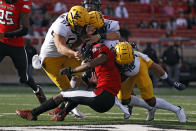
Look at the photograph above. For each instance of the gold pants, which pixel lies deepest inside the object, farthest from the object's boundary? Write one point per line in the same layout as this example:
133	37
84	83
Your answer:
141	79
52	66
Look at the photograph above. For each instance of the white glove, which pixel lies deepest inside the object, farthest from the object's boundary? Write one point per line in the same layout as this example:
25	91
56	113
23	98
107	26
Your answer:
36	62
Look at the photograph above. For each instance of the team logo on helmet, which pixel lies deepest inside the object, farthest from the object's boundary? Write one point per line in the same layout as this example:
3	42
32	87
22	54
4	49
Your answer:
78	18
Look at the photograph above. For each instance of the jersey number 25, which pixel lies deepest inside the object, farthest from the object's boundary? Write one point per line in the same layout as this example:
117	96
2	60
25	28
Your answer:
4	17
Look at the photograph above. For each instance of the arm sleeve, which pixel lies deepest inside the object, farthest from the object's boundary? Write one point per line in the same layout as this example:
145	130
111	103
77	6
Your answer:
144	57
112	25
17	33
99	50
60	29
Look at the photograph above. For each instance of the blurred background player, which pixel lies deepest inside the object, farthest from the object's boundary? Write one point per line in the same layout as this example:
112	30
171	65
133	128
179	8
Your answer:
92	5
58	52
134	67
14	24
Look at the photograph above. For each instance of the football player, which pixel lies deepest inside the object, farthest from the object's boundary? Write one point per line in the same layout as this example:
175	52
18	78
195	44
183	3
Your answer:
104	26
92	5
136	101
58	49
14	22
95	5
100	98
134	67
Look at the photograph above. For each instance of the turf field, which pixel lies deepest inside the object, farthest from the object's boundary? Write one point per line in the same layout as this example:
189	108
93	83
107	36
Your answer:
17	97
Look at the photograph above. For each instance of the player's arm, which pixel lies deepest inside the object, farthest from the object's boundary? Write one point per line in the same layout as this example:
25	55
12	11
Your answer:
159	71
104	36
100	59
60	43
23	30
109	35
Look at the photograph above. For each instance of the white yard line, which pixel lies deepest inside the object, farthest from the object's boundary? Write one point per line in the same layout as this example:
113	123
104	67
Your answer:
126	127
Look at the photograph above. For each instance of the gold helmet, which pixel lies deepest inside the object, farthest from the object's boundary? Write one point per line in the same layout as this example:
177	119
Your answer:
78	17
124	53
96	19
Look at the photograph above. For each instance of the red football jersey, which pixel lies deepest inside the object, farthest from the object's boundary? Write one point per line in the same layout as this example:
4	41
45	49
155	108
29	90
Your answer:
107	74
9	19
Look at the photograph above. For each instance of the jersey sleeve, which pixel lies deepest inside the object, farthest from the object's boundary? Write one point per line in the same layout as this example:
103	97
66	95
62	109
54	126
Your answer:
26	6
144	57
59	29
98	49
112	25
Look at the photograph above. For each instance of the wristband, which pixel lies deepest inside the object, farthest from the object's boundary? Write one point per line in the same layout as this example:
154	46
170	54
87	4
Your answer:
165	76
99	36
102	36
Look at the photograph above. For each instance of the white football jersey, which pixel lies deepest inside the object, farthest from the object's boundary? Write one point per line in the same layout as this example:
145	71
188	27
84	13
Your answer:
133	71
61	27
111	26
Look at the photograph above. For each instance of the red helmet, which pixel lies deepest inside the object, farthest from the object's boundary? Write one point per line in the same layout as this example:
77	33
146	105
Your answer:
10	1
92	5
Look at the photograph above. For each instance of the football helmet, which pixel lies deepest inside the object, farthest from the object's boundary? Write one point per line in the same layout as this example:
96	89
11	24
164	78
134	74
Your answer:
10	1
124	53
78	18
96	19
92	5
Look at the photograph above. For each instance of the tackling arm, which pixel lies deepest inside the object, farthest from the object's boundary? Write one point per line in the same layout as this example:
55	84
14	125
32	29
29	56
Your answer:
110	35
60	43
159	72
157	69
100	59
104	36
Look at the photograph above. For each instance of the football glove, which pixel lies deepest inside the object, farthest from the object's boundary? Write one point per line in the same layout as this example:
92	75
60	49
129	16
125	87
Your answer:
67	71
177	85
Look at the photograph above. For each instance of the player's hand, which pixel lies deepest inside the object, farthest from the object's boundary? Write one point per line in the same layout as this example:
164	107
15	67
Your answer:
177	85
78	55
67	71
93	77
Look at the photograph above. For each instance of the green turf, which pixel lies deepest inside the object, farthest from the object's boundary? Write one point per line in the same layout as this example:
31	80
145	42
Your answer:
15	97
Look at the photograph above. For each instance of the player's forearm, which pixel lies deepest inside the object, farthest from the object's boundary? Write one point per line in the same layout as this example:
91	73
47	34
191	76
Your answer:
66	51
157	69
60	43
17	33
82	68
113	35
100	59
109	35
